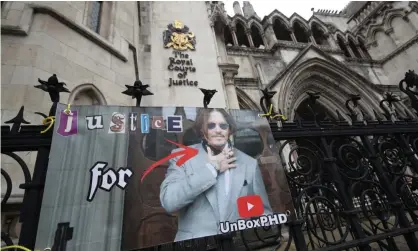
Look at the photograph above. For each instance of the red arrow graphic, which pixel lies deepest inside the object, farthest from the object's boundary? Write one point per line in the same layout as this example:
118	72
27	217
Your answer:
187	153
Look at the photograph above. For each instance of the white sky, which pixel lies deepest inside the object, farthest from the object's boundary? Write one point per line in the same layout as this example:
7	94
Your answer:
302	7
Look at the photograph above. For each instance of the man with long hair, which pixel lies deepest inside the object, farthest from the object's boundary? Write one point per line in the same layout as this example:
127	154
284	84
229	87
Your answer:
204	190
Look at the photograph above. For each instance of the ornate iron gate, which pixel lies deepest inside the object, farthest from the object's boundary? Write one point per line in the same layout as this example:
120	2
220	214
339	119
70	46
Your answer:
28	138
354	185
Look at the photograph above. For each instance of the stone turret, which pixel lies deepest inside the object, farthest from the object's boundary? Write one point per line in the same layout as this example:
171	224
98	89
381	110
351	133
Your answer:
237	8
249	10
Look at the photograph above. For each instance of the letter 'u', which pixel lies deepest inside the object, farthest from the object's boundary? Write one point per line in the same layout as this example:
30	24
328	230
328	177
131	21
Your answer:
223	229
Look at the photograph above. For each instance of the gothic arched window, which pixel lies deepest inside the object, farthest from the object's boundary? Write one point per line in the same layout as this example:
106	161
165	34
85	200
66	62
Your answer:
363	48
87	97
281	31
99	17
354	48
86	94
256	36
341	43
300	33
241	35
229	41
319	35
95	15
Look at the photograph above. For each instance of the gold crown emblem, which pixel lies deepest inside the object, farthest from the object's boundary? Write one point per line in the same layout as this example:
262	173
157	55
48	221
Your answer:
178	25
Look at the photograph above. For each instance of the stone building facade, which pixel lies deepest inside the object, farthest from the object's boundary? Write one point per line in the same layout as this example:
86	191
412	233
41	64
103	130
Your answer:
97	48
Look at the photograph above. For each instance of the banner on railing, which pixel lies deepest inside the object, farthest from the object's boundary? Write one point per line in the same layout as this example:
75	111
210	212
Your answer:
127	177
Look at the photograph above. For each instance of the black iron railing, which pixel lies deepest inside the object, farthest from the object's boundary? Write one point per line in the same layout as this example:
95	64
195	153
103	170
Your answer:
354	183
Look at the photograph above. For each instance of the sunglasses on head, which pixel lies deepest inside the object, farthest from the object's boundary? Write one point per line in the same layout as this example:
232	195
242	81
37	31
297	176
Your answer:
223	126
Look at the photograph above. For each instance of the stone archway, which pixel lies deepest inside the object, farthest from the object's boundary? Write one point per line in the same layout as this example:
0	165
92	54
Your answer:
335	83
329	101
245	102
322	109
86	94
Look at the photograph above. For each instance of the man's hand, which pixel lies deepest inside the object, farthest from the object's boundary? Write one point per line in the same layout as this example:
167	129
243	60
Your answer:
222	161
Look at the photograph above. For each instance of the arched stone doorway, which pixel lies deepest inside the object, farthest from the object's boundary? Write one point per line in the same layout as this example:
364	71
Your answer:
86	94
335	83
304	112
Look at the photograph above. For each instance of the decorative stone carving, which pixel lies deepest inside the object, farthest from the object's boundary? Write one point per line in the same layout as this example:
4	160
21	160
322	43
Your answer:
371	16
389	31
218	11
331	28
267	25
229	71
229	77
248	83
292	82
245	51
373	43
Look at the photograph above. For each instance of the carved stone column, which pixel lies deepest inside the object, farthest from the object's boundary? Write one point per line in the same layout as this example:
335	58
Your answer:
260	74
347	45
234	35
229	71
311	38
392	35
331	41
292	35
360	51
250	39
270	36
212	26
263	36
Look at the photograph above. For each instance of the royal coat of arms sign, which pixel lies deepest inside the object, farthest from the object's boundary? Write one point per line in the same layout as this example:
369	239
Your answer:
179	37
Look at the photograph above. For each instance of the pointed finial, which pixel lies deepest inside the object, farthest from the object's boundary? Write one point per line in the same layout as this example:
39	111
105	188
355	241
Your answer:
53	87
207	96
137	90
17	121
178	25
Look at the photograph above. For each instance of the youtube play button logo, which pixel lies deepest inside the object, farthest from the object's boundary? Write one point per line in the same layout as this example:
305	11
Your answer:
250	206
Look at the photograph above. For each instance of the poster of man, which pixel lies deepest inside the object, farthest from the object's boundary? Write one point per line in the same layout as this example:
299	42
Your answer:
197	173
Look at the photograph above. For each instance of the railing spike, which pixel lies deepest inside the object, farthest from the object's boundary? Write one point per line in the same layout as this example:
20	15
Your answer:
207	96
17	121
137	90
411	82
